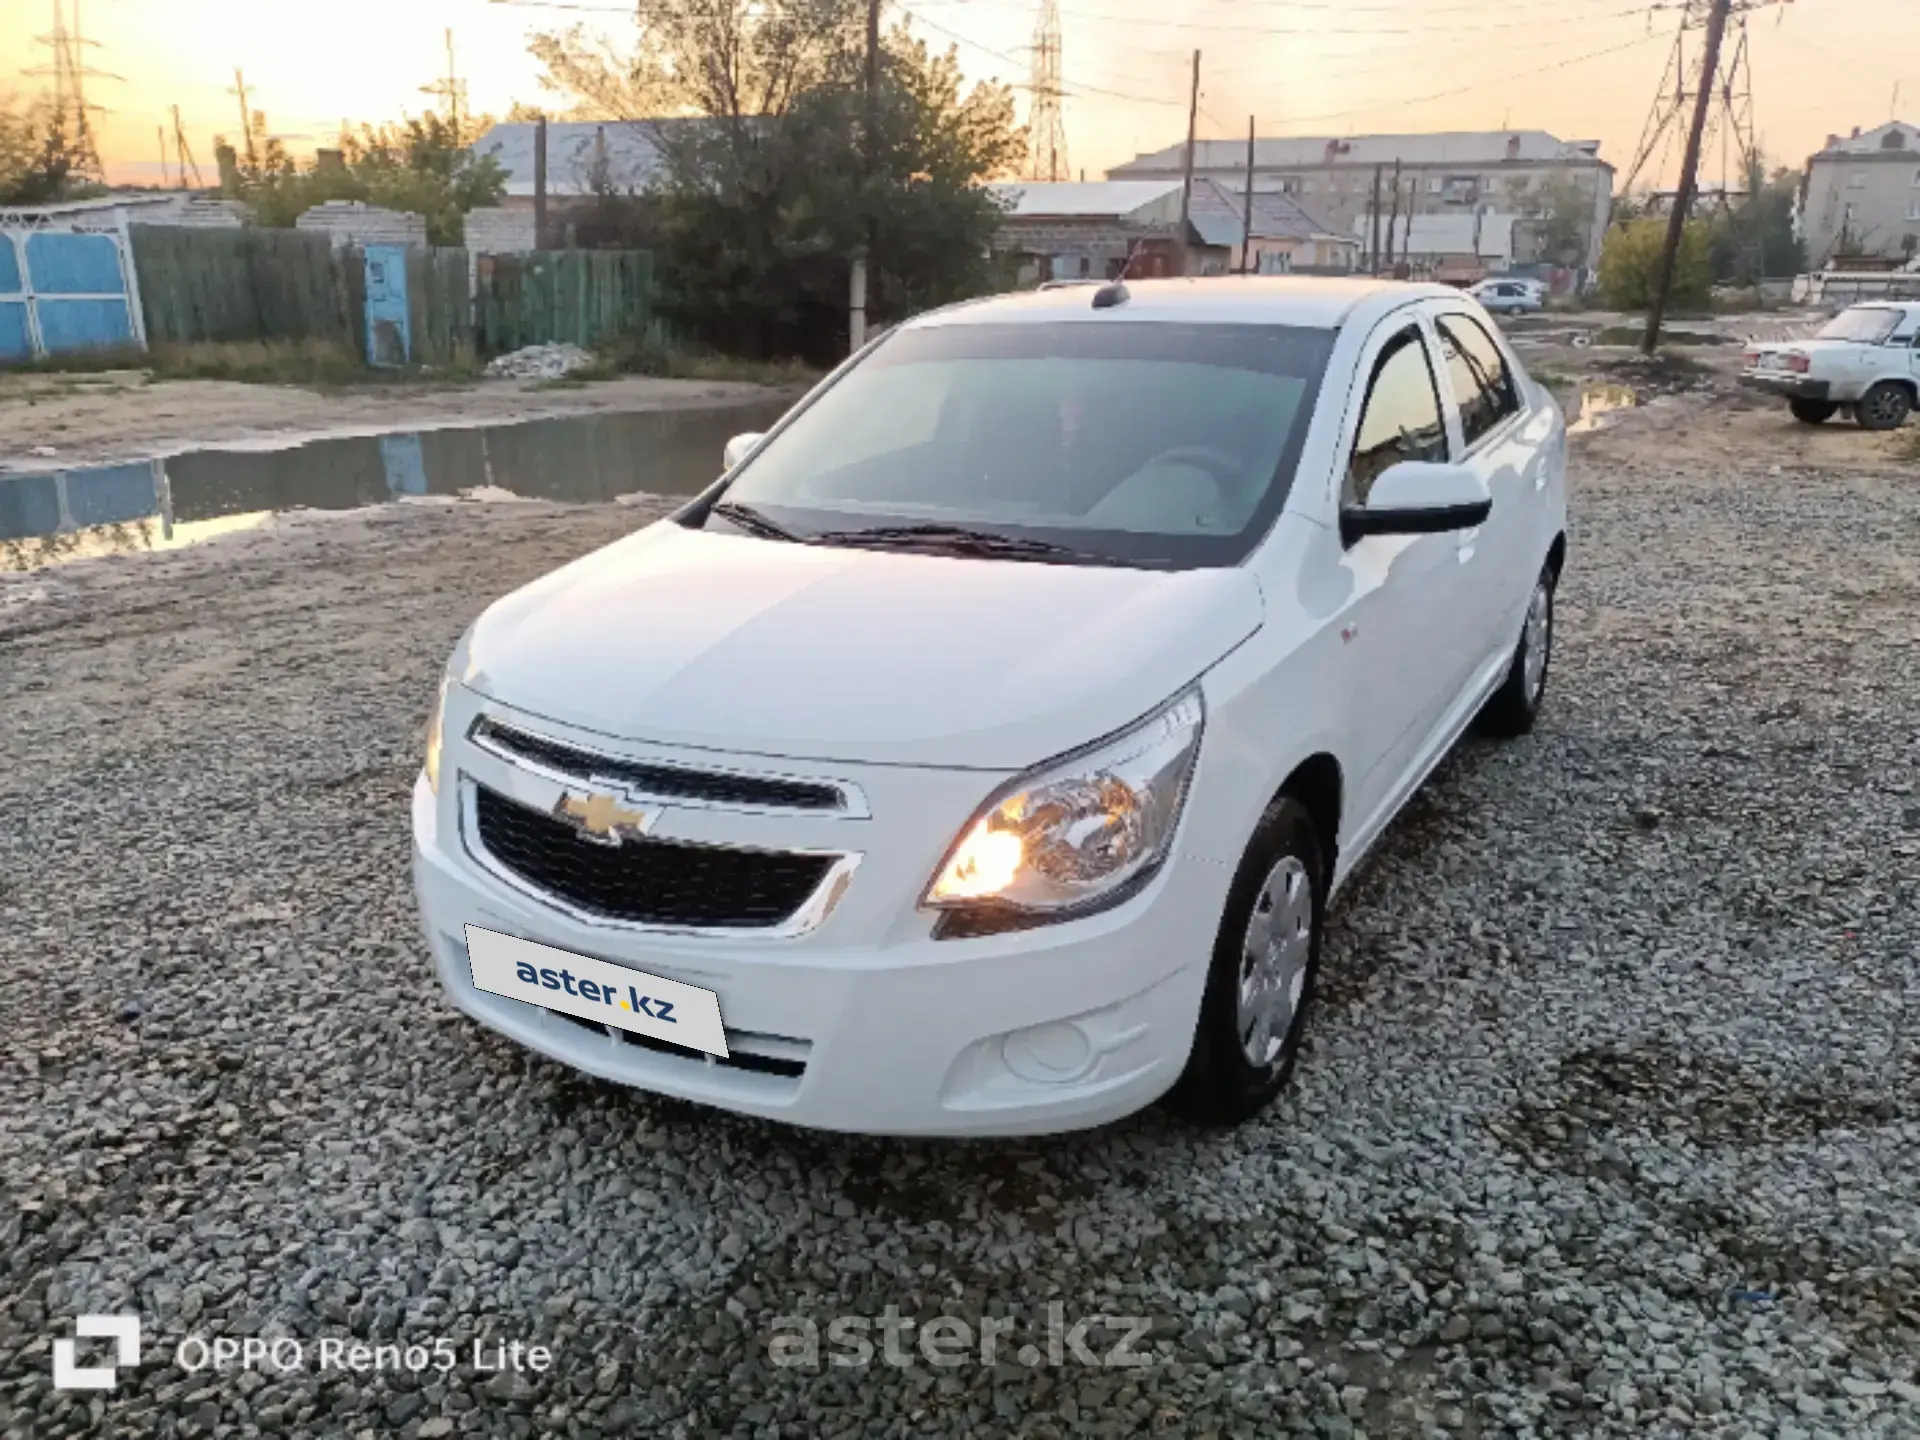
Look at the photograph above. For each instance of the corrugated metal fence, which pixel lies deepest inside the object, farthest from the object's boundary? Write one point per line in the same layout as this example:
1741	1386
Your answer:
200	285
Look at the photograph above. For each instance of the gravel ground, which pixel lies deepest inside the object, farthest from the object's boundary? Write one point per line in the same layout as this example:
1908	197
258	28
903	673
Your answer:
1608	1126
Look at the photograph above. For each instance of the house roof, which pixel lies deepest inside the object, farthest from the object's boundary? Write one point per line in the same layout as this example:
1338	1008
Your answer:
1026	199
573	149
1896	137
1217	214
1459	147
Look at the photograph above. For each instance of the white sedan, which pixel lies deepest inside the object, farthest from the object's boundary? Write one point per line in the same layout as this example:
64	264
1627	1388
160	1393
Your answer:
1509	297
980	754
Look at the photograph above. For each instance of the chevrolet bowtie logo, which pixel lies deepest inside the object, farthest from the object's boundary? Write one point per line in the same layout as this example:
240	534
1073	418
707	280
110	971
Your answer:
601	818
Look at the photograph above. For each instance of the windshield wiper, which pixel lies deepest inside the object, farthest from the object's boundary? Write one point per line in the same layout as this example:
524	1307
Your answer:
961	540
753	521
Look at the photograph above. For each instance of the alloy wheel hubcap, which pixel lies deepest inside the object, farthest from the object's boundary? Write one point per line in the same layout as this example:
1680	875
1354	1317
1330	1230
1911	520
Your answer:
1273	961
1884	406
1539	638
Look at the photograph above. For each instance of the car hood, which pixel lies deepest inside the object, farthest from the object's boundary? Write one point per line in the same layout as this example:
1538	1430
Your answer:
683	637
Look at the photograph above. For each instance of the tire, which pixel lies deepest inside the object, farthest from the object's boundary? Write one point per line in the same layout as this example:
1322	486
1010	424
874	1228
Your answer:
1261	951
1812	412
1512	709
1884	407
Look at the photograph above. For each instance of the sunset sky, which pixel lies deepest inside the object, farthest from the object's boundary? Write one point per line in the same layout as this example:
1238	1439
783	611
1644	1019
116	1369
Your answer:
1301	66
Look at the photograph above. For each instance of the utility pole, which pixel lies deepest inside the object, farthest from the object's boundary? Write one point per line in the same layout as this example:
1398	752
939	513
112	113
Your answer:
183	160
1689	175
246	117
1373	244
862	254
1246	204
1393	216
540	183
1186	168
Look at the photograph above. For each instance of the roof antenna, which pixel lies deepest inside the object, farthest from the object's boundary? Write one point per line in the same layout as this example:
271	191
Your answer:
1114	292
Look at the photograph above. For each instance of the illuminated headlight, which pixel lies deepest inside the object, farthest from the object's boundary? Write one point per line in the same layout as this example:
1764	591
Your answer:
433	737
1080	832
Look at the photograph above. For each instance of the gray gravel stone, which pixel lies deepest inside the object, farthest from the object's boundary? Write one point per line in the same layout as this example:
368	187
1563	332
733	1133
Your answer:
1605	1128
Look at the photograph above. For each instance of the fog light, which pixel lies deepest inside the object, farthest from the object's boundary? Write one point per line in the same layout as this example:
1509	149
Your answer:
1050	1054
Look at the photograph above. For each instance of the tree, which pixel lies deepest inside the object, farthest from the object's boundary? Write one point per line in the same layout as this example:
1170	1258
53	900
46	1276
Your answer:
415	166
39	157
1757	240
1562	220
1630	264
770	181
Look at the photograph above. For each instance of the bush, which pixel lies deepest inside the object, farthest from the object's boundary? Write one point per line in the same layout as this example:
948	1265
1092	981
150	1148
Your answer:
1630	265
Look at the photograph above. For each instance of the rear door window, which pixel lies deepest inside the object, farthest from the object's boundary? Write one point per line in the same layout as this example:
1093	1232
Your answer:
1484	392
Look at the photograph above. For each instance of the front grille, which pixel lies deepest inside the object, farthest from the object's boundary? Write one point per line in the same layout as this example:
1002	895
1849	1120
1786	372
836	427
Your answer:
738	1057
650	882
666	781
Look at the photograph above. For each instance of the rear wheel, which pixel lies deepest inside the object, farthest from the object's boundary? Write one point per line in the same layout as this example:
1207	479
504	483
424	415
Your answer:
1261	981
1884	407
1812	412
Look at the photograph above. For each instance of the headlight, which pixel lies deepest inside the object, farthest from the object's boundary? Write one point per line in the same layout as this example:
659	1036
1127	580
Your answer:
1079	832
433	737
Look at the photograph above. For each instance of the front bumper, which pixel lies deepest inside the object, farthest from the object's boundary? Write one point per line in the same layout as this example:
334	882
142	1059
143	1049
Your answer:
866	1023
1787	384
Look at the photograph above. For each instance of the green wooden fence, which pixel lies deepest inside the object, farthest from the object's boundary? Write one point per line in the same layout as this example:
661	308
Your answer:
252	284
579	296
256	284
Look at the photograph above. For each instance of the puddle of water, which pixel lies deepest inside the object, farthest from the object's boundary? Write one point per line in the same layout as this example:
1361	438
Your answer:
50	517
1597	402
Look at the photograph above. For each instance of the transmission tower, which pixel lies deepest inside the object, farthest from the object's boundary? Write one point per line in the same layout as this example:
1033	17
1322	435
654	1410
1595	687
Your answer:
70	73
1046	125
1730	113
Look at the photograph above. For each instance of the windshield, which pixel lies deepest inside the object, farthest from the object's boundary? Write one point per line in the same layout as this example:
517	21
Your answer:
1147	443
1867	323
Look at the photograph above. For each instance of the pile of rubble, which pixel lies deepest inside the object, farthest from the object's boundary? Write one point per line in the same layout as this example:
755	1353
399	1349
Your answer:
540	362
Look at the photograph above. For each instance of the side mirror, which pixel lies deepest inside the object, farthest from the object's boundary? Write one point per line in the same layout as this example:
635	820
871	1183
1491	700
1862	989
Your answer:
739	447
1419	497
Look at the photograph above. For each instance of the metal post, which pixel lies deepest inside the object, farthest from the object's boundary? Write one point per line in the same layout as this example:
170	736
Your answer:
1393	216
540	183
1373	247
1246	220
1186	169
1689	172
857	303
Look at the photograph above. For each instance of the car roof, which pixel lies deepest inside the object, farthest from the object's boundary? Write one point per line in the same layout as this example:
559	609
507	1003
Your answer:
1313	302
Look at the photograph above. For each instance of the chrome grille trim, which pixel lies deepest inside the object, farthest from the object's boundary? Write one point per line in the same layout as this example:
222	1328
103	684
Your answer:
495	737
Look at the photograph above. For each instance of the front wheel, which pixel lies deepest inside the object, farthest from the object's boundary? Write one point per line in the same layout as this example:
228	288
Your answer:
1261	980
1512	709
1884	407
1812	412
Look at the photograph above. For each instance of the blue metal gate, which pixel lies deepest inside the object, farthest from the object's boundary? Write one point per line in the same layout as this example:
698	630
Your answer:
65	290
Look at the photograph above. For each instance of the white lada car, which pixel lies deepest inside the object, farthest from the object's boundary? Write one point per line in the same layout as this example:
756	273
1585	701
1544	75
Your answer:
980	753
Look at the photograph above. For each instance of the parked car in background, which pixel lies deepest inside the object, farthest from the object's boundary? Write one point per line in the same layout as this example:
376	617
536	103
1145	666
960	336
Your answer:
1865	360
980	754
1509	297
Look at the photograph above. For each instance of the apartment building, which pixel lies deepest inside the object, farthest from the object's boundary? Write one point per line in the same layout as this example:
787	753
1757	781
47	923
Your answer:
1508	177
1861	196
